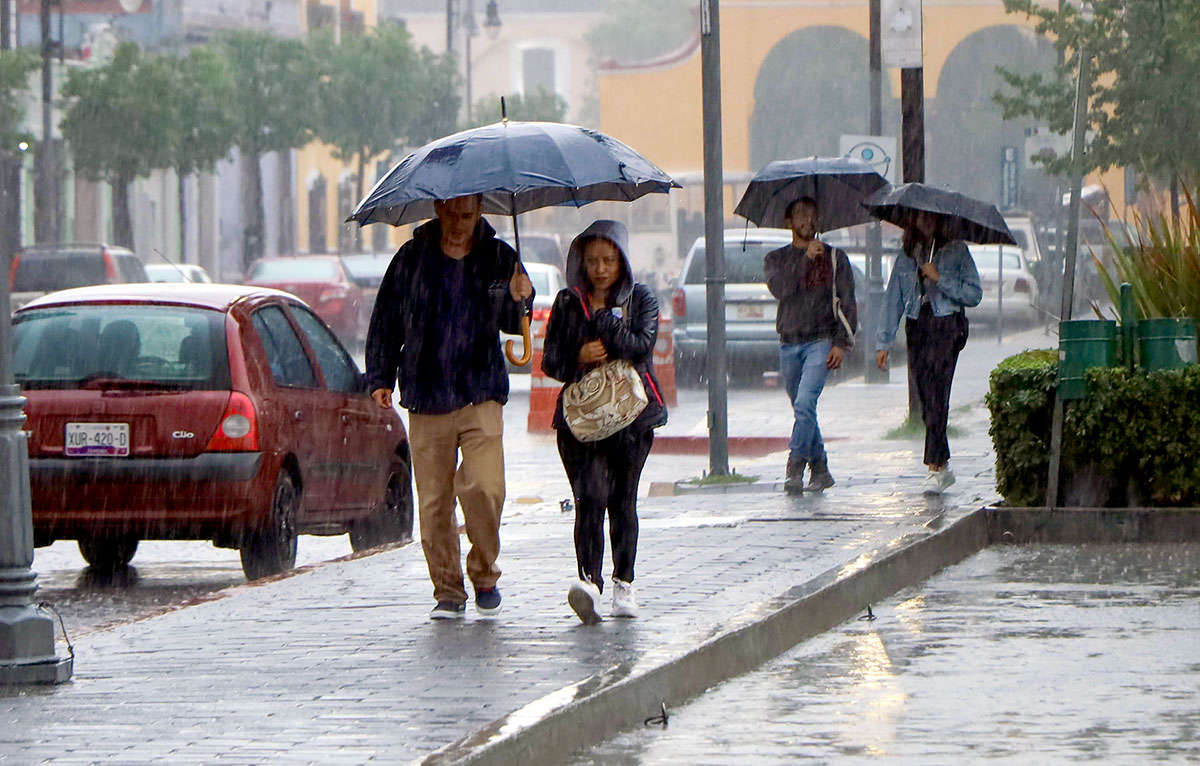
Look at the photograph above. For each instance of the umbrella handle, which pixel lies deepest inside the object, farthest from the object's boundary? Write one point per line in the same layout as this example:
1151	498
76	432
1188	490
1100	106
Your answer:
527	354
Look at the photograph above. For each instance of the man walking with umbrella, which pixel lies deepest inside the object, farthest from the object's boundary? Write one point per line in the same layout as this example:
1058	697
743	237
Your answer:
435	328
816	320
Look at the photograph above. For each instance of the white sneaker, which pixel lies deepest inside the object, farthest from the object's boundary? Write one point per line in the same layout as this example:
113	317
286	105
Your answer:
945	477
932	484
624	604
584	598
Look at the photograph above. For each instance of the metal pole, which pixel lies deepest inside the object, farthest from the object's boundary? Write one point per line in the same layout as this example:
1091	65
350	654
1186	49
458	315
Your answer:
714	239
1000	296
912	110
46	208
871	372
26	635
1082	86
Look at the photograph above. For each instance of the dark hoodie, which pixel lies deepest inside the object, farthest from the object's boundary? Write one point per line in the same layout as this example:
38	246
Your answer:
631	337
408	322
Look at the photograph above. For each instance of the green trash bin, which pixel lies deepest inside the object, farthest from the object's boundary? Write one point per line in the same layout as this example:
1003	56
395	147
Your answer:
1083	343
1166	344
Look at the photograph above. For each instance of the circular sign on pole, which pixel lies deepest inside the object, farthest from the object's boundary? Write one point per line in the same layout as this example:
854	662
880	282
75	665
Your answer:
130	6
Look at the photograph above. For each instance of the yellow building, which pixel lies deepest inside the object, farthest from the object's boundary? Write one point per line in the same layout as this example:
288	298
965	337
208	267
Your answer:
795	78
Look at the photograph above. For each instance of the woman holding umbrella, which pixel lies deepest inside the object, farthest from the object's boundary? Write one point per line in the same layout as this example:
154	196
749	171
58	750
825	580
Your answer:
930	288
604	315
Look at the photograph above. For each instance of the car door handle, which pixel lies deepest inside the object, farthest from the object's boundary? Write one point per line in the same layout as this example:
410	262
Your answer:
297	415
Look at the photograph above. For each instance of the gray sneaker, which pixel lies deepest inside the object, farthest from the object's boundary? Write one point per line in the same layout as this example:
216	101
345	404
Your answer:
448	610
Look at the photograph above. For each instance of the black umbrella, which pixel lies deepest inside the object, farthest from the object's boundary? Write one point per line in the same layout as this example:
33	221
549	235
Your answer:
959	216
838	184
516	166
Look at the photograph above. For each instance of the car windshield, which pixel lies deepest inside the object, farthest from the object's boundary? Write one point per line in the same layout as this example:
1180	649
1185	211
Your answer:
988	258
743	264
295	270
366	270
151	346
45	272
540	280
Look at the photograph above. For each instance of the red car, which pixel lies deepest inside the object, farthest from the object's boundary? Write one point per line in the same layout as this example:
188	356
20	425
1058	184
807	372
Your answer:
202	412
320	281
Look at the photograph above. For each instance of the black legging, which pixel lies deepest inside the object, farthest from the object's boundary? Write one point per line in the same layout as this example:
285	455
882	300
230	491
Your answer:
933	346
604	475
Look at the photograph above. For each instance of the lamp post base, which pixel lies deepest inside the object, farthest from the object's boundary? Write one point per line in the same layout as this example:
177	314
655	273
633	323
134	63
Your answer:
27	648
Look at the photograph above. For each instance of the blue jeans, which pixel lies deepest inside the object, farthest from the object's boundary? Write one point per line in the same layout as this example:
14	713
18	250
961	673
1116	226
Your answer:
802	366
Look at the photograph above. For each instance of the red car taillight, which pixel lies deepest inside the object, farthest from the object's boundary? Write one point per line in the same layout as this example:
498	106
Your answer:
110	267
540	315
1022	285
332	294
12	271
679	303
238	430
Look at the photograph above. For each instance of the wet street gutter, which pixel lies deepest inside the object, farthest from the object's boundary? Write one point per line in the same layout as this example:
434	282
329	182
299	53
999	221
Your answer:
608	703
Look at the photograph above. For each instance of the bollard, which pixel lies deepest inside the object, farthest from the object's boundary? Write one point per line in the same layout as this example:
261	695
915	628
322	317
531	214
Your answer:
664	361
543	391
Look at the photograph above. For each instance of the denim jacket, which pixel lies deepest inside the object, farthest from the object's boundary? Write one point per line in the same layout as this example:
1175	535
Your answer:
958	286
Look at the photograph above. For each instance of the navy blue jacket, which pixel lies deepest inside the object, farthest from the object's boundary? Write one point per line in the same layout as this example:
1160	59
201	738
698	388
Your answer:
407	321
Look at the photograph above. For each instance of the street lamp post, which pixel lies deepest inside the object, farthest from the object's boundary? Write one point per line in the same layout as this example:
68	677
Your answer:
491	25
26	635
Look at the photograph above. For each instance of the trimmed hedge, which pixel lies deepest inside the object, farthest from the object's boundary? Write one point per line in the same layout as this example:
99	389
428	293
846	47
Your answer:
1134	441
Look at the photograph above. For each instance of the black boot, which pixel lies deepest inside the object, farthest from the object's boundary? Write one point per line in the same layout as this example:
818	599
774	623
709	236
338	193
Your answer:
794	480
821	477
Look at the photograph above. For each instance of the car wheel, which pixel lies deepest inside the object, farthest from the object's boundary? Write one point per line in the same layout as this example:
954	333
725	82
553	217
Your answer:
108	553
271	548
392	519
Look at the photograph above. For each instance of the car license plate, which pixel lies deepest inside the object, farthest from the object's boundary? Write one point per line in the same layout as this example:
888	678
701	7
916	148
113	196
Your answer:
749	312
97	440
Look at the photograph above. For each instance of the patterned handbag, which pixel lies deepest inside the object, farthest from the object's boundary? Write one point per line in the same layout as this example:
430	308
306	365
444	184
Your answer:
605	399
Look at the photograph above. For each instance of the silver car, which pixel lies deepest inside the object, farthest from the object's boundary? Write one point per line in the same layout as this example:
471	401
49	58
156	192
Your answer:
751	343
1019	290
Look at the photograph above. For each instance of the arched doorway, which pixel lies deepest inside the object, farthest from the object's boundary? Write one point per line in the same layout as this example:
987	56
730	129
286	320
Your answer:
966	130
812	87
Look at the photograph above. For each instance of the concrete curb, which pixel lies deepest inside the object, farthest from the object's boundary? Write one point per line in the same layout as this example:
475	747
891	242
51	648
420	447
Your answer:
546	730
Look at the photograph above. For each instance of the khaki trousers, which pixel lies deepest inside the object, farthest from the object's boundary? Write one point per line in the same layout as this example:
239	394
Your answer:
477	431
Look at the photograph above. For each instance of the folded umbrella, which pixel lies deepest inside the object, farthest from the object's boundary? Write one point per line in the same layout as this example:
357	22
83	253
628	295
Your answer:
959	216
837	184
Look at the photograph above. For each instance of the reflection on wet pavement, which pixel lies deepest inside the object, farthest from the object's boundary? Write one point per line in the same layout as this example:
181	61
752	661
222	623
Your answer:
1038	653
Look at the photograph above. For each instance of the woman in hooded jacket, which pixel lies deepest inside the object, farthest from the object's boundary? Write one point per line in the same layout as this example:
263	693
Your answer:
600	316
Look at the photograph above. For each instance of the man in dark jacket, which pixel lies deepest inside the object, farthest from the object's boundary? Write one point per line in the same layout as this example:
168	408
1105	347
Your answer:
444	299
816	321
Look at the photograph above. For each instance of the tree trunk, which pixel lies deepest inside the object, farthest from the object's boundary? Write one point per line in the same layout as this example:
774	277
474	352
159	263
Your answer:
362	176
179	180
1175	200
252	207
10	203
122	222
287	205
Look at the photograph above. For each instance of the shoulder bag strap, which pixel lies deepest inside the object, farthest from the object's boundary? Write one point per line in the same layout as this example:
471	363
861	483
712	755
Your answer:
837	302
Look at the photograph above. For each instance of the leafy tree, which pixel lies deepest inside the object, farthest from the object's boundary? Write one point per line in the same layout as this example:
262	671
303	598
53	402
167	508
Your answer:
272	109
15	67
118	122
202	120
378	89
1144	62
634	30
540	106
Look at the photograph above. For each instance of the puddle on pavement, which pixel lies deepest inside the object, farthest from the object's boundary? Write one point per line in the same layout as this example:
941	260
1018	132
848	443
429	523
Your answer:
1038	652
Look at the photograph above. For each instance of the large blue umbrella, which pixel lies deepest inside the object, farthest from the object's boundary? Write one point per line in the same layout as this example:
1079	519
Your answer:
837	184
516	166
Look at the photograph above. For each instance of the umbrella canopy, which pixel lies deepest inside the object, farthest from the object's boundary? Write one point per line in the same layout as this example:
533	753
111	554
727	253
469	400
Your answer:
960	216
516	166
838	184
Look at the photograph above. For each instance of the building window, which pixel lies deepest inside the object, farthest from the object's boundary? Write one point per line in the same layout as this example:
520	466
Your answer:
537	70
347	232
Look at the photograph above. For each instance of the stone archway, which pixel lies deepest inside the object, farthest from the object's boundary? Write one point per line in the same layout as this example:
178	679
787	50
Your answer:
813	86
966	131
